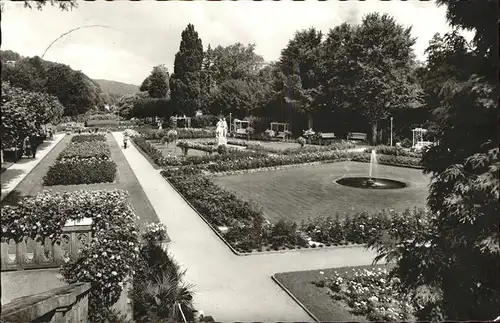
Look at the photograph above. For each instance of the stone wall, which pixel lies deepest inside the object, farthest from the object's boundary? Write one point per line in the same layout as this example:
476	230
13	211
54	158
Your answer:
66	304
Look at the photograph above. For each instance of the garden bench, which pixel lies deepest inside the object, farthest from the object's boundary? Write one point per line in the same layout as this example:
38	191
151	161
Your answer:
357	136
282	135
326	136
241	132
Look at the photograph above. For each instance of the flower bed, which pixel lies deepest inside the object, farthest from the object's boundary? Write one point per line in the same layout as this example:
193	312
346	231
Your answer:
89	137
185	145
82	162
190	133
86	149
395	151
110	256
74	171
370	293
315	149
361	228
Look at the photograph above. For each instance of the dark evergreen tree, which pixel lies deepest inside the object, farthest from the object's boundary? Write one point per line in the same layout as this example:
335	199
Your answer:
185	83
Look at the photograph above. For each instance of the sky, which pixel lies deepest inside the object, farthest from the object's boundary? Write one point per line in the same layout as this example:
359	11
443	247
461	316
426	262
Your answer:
140	35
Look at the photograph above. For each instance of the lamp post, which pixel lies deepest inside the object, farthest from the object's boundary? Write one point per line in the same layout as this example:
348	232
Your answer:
391	131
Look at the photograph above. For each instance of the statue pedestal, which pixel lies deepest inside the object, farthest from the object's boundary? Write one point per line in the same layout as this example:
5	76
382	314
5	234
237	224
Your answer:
222	141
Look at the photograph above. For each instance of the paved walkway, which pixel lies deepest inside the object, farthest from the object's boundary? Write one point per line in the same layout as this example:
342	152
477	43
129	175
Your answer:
18	171
230	287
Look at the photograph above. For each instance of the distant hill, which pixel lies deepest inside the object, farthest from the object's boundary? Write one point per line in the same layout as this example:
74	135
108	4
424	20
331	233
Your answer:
117	88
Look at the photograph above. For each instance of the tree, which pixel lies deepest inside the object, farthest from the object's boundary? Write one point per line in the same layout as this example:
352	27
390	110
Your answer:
185	86
451	266
238	97
376	69
208	84
157	83
24	113
298	64
235	61
125	104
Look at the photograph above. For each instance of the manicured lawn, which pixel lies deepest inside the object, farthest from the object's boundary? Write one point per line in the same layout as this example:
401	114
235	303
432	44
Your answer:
306	192
125	179
317	300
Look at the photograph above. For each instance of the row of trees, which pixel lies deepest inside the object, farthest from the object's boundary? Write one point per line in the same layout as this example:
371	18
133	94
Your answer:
357	73
74	90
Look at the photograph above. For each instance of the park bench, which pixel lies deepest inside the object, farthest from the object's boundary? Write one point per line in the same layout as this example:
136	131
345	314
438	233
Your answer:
357	136
241	132
326	137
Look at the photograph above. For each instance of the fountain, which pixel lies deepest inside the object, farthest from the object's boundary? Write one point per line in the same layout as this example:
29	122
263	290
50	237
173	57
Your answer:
371	182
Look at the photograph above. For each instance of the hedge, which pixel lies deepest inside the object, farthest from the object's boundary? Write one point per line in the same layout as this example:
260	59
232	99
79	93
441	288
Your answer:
395	151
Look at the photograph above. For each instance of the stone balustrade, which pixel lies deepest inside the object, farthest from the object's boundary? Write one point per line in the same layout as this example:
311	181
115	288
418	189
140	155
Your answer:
68	304
30	254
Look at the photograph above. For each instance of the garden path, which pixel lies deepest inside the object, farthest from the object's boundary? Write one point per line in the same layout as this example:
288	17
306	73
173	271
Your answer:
18	171
230	287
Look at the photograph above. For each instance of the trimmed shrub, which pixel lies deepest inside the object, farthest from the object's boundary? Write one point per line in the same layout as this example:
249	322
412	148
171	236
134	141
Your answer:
73	171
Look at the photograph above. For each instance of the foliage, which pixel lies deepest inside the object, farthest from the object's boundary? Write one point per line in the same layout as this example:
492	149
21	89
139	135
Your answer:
378	79
462	242
89	138
152	107
156	232
159	288
370	293
106	260
302	141
73	171
24	113
196	145
222	149
156	84
185	83
74	90
39	4
396	151
86	149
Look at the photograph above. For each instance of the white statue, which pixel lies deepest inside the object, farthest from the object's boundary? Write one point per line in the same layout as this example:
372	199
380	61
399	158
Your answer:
220	133
224	126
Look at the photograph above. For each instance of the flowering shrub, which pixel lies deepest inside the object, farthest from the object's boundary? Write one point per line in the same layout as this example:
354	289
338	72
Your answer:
364	227
106	260
189	133
395	151
130	133
155	232
106	116
302	141
89	137
185	145
371	293
73	171
86	149
315	149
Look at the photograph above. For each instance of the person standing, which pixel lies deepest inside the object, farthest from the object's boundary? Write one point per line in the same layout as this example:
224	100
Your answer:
33	144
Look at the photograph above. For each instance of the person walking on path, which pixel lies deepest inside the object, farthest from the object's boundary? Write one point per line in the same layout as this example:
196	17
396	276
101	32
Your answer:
125	140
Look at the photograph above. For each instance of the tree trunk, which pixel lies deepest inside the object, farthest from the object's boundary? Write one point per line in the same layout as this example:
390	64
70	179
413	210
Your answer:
309	121
374	133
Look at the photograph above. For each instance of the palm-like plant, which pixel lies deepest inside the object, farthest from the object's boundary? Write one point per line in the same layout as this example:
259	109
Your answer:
158	293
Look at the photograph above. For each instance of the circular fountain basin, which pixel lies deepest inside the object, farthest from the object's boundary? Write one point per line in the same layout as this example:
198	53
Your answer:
371	183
